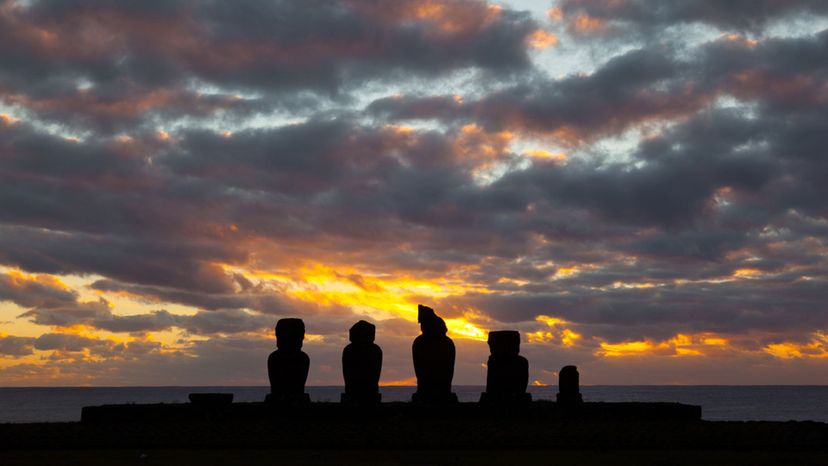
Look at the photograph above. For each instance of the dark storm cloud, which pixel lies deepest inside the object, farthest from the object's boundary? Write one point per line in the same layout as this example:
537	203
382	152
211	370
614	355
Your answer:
69	315
51	304
37	292
152	262
643	85
12	346
267	300
201	323
654	14
659	312
73	349
110	65
66	342
637	86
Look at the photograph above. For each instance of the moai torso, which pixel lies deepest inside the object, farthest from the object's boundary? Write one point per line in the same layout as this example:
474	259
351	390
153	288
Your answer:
569	391
433	363
288	366
508	372
362	364
433	353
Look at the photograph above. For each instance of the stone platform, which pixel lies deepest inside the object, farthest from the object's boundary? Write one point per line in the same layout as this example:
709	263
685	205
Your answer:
405	426
460	412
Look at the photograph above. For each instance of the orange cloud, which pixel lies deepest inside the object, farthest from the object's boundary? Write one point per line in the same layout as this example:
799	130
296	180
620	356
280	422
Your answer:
541	39
679	345
447	17
754	83
480	147
7	119
817	348
557	331
584	24
555	13
544	154
741	40
20	279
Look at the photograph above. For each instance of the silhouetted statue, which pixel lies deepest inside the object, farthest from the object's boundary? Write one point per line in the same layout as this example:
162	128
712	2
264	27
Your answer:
568	386
288	366
433	353
361	365
508	371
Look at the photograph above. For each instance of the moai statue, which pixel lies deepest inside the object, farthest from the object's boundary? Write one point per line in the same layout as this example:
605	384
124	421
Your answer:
508	371
288	366
568	386
434	354
361	366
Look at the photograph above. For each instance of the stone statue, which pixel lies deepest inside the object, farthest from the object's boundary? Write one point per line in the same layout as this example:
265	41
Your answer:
362	365
508	371
288	366
434	354
568	386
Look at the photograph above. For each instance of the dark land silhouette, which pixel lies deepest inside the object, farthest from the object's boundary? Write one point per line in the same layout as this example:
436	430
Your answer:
211	399
508	372
361	366
288	366
433	353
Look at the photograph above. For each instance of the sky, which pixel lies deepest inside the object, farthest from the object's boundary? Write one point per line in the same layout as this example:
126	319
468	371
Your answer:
637	186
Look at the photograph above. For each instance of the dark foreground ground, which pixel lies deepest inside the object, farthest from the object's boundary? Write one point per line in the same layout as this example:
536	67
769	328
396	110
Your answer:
482	457
409	435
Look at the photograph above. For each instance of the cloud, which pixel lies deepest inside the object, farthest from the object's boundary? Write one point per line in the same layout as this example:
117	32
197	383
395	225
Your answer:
12	346
589	16
128	64
203	171
34	290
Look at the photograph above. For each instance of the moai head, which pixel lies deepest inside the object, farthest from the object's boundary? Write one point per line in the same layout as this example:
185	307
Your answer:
503	342
430	323
362	333
289	334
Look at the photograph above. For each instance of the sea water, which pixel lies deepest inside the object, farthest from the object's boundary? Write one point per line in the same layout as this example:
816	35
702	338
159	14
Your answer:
718	402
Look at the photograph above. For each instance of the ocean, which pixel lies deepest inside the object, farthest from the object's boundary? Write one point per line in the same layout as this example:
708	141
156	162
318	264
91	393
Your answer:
718	402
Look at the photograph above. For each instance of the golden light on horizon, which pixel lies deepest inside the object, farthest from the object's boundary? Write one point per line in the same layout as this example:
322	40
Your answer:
399	383
382	296
677	346
817	348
